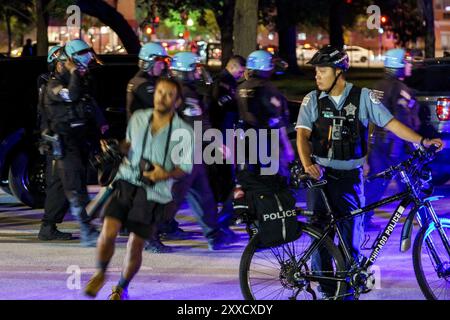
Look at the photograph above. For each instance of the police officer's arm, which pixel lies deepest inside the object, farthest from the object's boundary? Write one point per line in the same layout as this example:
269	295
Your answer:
58	92
304	126
407	134
380	115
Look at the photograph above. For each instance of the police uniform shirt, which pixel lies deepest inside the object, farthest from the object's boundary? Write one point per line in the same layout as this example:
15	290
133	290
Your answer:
140	91
370	110
399	100
181	144
261	99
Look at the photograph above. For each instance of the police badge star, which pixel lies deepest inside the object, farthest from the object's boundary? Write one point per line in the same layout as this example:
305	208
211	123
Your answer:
350	109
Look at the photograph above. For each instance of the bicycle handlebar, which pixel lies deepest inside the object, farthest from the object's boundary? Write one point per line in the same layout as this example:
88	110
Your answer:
422	154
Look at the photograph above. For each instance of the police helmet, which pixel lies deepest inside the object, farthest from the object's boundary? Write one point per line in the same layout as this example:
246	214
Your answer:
260	60
395	59
81	53
330	56
150	53
53	54
185	61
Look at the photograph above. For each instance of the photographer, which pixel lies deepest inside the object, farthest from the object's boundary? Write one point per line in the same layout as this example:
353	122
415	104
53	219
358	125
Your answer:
71	115
142	197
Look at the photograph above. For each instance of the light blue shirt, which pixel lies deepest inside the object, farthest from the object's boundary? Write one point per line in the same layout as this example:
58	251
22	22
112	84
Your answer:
370	110
180	153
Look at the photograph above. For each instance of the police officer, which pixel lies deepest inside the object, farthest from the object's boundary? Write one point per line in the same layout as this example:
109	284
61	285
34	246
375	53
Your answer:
399	100
224	115
196	187
332	139
43	79
262	106
71	113
153	63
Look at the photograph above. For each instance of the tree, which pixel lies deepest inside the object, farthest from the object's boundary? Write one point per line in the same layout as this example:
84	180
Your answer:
286	23
426	7
41	26
223	12
16	15
404	20
245	27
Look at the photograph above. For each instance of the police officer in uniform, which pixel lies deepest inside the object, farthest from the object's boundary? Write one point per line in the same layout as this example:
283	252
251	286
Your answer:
71	113
332	140
153	63
262	106
399	99
52	60
196	187
224	115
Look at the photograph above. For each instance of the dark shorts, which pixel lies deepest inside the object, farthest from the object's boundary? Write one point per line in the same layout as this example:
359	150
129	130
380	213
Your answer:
129	205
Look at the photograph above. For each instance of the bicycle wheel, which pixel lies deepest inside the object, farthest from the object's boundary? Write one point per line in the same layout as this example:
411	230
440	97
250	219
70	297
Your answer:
432	262
278	273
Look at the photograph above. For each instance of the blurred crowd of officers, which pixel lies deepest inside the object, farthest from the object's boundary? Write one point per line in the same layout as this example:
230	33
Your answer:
170	93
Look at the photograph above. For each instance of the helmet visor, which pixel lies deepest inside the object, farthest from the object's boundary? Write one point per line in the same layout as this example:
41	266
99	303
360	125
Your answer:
86	59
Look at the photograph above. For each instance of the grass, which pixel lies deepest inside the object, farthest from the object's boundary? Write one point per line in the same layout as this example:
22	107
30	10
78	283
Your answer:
295	87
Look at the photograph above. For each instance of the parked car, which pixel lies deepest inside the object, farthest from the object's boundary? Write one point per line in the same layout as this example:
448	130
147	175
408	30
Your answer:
359	54
21	165
305	52
431	82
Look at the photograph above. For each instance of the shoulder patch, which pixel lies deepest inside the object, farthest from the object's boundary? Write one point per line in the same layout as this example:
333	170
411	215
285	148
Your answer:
405	94
246	93
130	87
306	100
373	97
275	101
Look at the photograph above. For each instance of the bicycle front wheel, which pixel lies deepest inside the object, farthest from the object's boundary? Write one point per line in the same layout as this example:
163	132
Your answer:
432	261
292	271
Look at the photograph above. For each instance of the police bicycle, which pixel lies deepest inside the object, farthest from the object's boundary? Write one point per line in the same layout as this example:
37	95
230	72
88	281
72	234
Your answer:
286	272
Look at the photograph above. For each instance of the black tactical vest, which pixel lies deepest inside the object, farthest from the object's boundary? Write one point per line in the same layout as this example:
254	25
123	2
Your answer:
339	134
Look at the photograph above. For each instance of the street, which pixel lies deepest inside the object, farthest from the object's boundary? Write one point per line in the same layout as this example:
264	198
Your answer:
31	269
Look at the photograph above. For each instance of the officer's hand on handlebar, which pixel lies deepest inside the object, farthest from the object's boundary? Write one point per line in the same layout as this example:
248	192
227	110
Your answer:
437	142
315	171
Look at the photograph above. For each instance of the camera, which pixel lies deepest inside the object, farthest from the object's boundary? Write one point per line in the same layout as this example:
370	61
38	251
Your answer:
145	165
336	132
339	131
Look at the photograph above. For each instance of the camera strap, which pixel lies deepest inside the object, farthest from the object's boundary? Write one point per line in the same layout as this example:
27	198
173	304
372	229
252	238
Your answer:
166	148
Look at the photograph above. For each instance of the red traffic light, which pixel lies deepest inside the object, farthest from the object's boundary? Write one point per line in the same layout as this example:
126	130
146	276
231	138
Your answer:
156	20
383	19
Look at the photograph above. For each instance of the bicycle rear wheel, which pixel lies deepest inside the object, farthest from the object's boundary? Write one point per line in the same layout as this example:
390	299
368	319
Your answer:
279	273
432	262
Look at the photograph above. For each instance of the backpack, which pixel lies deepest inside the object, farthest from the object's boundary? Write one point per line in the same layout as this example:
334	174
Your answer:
272	204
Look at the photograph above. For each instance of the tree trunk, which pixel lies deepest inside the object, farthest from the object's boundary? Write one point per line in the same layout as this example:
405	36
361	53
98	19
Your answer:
426	7
287	36
41	27
336	31
245	26
225	22
110	17
8	28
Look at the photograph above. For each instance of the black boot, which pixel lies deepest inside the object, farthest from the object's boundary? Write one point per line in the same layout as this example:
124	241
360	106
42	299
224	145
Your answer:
50	232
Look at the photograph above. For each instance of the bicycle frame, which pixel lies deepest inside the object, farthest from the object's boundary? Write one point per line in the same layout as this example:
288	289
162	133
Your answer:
408	197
